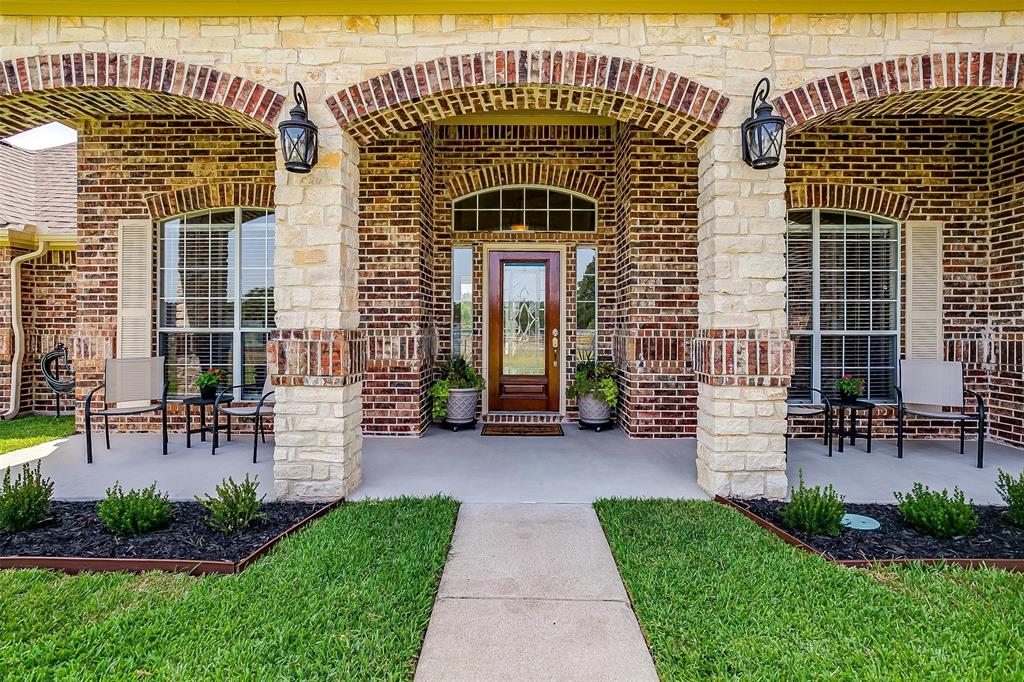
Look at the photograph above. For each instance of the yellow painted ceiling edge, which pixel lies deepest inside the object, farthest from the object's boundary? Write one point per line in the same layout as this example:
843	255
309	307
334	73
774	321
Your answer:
268	8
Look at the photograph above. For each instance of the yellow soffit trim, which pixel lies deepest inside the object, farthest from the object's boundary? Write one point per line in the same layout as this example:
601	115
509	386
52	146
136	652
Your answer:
265	8
19	239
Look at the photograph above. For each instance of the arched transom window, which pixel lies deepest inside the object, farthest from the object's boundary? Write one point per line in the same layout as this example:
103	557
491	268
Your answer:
521	208
216	296
843	283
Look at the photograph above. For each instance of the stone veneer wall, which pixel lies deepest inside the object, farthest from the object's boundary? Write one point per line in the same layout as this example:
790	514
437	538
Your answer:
123	160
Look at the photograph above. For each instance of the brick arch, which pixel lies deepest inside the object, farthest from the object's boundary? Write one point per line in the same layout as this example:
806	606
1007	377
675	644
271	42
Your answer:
562	177
37	90
863	198
500	80
964	84
215	195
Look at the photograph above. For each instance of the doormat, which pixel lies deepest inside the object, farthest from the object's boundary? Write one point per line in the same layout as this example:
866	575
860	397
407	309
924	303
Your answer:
522	430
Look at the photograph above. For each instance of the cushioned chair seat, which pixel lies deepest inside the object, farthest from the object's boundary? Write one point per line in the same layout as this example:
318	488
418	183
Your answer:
247	410
142	409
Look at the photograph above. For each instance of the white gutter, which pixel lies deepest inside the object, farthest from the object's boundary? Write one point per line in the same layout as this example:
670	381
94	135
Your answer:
19	329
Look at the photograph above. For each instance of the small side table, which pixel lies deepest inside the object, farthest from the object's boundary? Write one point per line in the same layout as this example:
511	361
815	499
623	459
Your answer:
203	429
851	431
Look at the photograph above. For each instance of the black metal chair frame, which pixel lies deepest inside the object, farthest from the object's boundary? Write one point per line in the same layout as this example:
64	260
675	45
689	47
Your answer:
826	409
118	412
258	431
978	419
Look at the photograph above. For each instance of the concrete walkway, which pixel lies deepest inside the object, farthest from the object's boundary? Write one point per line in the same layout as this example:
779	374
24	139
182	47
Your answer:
531	592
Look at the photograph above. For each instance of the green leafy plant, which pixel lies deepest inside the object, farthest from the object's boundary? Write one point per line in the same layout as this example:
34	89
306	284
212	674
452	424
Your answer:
235	506
814	510
1011	489
211	378
135	511
453	373
936	513
597	378
850	386
25	501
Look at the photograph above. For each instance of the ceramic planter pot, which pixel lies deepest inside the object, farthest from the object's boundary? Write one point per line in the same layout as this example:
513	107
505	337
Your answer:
462	405
208	392
593	410
848	398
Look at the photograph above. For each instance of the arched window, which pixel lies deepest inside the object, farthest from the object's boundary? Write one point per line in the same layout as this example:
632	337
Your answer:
216	295
521	208
843	300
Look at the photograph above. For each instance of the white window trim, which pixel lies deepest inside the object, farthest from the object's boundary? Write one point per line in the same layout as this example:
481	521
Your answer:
549	188
237	331
816	332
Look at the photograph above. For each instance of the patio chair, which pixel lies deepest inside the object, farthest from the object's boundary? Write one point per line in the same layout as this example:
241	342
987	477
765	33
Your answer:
128	380
809	410
928	386
256	410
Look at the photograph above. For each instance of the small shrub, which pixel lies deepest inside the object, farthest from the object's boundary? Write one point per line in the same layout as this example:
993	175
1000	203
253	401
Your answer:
135	511
25	502
235	506
814	510
936	513
1012	491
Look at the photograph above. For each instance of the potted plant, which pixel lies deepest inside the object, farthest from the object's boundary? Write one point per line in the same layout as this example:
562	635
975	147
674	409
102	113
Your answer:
456	391
207	383
850	388
594	389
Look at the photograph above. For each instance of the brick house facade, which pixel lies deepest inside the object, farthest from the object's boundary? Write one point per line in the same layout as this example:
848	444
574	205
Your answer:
905	117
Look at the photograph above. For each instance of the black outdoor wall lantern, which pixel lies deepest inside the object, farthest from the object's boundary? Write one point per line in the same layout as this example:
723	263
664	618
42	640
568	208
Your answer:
299	136
764	132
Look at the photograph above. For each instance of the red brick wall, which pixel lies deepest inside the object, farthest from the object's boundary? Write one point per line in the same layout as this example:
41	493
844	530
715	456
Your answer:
657	283
395	275
122	160
943	165
646	259
49	310
6	334
1006	283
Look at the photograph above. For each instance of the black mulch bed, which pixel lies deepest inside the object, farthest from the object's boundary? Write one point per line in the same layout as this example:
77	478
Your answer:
995	537
75	530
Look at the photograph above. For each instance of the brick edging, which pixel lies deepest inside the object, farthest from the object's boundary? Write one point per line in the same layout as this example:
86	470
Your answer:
407	97
316	357
213	195
914	73
863	198
743	357
112	70
563	177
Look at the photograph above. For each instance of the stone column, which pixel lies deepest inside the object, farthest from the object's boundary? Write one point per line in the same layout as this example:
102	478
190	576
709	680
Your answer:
316	356
742	353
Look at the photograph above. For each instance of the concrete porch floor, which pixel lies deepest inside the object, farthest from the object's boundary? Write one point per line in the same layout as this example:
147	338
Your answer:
578	468
135	461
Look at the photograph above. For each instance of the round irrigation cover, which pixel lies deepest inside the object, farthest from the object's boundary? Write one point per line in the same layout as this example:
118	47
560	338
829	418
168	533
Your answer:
858	522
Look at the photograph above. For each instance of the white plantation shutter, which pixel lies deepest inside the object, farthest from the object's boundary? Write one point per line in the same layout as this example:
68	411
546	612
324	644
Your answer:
135	289
924	290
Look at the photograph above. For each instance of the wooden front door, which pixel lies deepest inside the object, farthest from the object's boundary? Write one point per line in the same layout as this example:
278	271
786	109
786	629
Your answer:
523	331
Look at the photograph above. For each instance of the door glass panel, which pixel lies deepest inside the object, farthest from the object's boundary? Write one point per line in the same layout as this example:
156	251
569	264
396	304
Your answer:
523	311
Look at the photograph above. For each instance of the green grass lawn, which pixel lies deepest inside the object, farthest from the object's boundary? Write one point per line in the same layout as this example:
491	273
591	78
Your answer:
27	431
346	599
719	598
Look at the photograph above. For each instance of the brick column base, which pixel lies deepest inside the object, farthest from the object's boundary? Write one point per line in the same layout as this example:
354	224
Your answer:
742	377
317	374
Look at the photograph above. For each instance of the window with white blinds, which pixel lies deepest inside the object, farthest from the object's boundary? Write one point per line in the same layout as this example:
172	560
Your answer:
216	296
843	300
